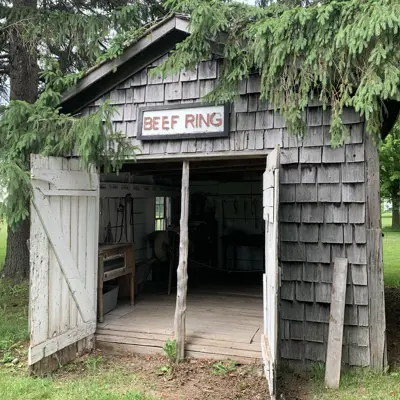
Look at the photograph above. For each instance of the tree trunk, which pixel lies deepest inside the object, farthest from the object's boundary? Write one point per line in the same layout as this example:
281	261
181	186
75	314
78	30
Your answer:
24	80
396	212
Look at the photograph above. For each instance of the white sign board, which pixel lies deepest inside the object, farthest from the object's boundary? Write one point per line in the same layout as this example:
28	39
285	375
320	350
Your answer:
183	121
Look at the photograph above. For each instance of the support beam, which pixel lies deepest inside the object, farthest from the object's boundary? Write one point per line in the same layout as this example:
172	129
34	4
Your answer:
376	289
182	276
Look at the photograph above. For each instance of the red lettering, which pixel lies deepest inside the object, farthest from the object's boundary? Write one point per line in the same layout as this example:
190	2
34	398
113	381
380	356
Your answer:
204	120
174	120
155	122
216	119
189	120
164	122
147	123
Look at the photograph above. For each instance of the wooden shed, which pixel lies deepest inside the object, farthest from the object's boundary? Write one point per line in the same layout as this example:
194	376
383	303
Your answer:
268	212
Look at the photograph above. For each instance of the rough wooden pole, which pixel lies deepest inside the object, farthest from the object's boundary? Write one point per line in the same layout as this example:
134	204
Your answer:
182	276
336	320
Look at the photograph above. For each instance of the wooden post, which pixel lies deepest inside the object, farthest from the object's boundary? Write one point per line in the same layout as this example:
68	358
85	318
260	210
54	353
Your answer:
182	276
336	320
376	289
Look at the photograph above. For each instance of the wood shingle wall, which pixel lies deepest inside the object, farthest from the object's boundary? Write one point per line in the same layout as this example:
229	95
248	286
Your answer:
323	196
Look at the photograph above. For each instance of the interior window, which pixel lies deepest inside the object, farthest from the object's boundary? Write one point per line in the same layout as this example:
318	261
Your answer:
161	213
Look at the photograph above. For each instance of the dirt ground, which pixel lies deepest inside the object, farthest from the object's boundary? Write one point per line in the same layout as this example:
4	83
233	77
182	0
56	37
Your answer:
392	298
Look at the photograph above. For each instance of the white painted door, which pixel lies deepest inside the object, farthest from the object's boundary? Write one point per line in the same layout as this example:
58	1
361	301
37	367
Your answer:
64	255
269	339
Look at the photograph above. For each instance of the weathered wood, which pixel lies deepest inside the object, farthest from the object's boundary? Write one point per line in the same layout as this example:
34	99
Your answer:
182	277
377	321
336	320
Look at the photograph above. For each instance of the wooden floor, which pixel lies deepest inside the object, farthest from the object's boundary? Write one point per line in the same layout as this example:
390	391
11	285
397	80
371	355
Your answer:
219	325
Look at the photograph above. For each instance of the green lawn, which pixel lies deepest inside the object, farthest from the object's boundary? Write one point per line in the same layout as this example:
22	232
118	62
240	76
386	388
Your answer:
391	251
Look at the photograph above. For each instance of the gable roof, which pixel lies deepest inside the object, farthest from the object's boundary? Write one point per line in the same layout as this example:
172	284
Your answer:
155	42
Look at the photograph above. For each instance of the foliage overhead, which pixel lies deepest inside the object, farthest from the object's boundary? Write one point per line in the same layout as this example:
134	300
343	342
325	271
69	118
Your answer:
346	53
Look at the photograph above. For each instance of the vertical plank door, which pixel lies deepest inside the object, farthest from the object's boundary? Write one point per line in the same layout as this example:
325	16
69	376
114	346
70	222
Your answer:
269	338
63	261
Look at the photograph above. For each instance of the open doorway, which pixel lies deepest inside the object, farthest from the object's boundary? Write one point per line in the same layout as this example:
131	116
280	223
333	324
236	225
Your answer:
225	262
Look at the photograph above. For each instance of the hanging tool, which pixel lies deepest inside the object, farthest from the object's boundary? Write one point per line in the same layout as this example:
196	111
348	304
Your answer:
120	211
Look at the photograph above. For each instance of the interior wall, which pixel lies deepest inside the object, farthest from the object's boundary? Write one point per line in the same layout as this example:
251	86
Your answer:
237	209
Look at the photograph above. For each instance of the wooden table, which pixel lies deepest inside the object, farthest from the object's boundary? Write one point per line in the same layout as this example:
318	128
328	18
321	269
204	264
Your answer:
115	261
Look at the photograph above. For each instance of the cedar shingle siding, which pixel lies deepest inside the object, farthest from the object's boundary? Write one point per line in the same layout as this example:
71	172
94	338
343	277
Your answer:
322	210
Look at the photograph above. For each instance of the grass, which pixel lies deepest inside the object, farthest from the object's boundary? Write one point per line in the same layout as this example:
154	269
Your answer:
391	252
358	384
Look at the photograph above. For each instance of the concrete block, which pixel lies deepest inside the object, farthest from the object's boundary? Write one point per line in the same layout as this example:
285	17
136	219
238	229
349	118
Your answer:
310	272
356	213
305	291
289	232
245	121
353	172
289	174
354	153
318	253
360	234
296	330
292	310
317	312
329	174
357	253
292	271
359	275
331	233
360	295
312	213
293	251
359	356
308	174
308	233
289	212
336	213
287	290
323	292
272	138
329	193
290	156
315	332
310	155
264	119
331	156
348	233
